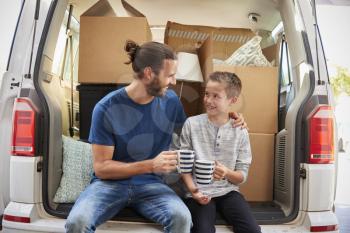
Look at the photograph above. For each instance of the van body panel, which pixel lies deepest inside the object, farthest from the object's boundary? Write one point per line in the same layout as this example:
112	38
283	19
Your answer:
22	45
287	198
49	95
289	14
30	182
324	218
309	22
13	81
317	198
7	99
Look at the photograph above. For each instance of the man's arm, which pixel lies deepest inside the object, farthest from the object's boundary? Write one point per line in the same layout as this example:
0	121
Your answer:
238	120
106	168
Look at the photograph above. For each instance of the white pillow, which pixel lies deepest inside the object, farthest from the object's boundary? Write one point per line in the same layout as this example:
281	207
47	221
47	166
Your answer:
77	170
249	54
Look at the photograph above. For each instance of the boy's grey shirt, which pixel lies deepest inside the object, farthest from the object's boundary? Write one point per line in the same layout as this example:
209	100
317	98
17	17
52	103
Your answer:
226	144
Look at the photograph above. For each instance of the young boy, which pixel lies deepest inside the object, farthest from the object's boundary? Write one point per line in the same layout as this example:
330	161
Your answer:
212	137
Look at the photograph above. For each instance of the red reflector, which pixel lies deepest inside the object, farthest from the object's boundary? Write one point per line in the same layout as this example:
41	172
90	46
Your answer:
23	133
16	218
323	228
322	136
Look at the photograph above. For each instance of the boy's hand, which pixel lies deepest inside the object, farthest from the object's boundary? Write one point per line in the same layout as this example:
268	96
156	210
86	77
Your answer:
238	120
165	162
220	171
200	197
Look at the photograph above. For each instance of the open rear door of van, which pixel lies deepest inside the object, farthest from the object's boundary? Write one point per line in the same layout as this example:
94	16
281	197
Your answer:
10	15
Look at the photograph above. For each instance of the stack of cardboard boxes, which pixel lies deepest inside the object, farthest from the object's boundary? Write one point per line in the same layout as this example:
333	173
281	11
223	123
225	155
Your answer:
258	101
102	57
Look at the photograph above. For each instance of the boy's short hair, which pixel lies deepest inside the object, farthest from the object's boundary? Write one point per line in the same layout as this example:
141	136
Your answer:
233	83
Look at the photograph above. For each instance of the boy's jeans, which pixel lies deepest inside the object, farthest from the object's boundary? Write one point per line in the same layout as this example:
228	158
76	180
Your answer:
101	200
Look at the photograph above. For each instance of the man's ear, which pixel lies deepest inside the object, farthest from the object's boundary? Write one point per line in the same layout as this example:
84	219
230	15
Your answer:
147	73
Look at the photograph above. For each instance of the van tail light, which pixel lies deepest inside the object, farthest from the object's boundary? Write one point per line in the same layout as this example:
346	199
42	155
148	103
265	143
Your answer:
321	136
13	218
23	131
323	228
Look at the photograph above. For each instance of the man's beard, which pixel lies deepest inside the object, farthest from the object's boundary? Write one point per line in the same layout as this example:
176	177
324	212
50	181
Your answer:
154	88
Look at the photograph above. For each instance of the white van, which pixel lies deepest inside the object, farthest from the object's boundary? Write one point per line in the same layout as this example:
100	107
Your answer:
36	105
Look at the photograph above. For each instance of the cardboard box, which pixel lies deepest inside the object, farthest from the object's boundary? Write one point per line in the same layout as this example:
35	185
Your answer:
259	97
102	39
190	97
259	185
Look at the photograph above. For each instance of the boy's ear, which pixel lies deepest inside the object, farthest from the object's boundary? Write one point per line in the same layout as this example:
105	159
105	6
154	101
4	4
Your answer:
233	100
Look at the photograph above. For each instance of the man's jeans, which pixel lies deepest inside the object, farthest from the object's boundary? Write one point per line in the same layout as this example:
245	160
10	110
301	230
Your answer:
101	200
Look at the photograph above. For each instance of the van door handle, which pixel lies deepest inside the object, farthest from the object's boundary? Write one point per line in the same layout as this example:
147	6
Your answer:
14	85
303	173
39	166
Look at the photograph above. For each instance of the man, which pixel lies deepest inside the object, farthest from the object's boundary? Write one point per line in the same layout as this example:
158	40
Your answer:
130	134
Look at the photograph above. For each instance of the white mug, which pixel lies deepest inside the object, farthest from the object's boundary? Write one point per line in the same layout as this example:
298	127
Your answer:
185	160
204	170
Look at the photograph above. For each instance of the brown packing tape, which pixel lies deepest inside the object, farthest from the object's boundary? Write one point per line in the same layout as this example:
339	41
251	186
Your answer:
188	38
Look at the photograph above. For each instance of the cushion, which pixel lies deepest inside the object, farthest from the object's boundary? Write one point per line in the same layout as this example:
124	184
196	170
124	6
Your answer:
249	54
77	170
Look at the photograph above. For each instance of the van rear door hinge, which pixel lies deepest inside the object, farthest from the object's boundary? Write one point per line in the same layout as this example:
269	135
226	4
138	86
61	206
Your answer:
303	173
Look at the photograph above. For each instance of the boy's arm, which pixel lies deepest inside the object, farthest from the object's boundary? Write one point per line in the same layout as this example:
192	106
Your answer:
186	144
244	157
187	178
185	138
196	194
239	174
221	172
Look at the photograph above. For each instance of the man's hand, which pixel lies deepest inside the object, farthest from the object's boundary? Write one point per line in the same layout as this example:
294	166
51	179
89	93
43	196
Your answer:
238	120
200	197
165	162
220	171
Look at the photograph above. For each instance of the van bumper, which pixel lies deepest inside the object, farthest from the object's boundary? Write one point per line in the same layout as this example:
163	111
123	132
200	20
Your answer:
41	222
57	225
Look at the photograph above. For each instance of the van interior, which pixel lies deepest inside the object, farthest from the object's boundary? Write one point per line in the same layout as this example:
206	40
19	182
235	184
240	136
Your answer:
210	29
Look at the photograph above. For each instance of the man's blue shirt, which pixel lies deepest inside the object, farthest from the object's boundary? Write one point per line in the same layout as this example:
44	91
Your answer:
137	131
